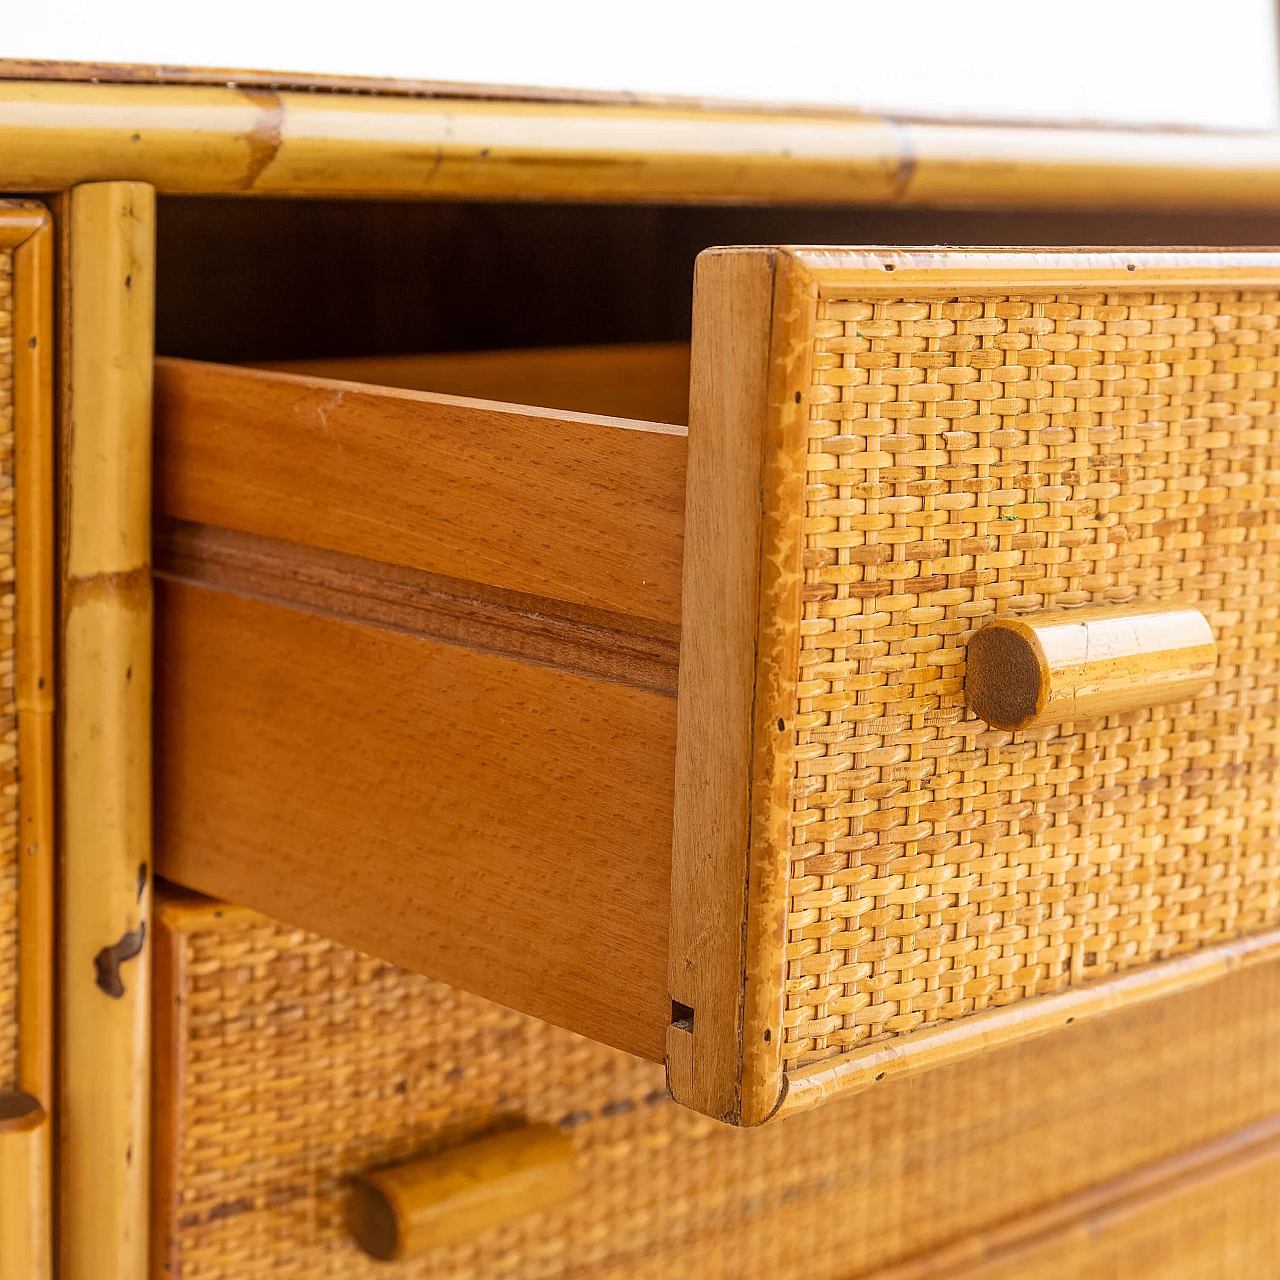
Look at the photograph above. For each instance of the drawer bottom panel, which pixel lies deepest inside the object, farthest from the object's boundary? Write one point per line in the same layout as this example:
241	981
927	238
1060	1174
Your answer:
286	1064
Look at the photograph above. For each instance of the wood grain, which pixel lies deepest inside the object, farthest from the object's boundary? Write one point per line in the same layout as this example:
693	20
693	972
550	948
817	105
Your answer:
733	296
753	325
501	826
170	979
551	633
644	380
568	506
106	715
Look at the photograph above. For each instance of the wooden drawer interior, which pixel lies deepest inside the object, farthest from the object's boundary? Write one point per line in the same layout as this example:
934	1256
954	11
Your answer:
645	380
389	584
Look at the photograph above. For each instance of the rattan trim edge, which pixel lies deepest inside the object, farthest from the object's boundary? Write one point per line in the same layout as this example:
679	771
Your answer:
992	1029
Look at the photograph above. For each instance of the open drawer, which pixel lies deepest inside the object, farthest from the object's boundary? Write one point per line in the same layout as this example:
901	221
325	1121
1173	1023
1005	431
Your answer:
680	752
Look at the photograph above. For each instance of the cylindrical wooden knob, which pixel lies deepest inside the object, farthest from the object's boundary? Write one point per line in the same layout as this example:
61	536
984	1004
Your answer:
452	1196
1075	664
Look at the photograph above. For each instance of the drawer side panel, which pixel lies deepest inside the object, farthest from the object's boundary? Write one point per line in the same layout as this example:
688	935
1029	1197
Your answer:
503	825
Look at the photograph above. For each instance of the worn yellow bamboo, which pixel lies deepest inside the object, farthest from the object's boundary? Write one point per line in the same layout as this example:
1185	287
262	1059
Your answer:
106	735
457	1194
25	1154
25	1222
220	138
1049	668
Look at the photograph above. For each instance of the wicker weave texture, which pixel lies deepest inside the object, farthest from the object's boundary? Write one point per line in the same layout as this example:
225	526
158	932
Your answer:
8	709
301	1063
971	457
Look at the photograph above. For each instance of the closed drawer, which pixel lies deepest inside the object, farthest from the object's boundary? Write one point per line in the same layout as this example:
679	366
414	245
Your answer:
287	1067
673	748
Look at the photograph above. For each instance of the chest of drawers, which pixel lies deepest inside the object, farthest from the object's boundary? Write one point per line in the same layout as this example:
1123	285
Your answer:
728	767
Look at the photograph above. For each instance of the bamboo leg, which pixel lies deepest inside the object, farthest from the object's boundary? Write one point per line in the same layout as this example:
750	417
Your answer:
106	764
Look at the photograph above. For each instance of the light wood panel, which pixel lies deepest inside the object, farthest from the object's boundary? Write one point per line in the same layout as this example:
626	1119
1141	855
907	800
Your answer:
568	506
502	826
351	529
106	714
754	320
648	381
728	402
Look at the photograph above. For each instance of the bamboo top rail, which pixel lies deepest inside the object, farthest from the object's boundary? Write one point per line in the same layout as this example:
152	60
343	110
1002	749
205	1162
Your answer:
339	138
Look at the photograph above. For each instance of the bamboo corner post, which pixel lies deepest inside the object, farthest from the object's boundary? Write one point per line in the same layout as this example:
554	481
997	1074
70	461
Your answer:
1051	667
109	239
408	1209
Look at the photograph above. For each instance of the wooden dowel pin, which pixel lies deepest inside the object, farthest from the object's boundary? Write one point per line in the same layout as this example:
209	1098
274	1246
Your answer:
1077	664
454	1195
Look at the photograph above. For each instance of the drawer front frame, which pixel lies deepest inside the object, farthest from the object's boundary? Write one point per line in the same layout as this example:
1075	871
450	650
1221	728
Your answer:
27	658
761	317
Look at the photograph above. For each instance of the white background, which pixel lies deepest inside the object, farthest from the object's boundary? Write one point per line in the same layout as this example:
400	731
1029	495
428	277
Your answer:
1203	62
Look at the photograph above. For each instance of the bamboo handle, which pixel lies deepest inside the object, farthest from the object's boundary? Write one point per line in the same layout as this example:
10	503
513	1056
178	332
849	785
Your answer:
1048	668
408	1209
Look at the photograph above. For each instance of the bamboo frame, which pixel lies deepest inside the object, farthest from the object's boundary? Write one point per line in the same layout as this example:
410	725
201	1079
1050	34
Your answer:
26	1143
106	729
742	596
223	138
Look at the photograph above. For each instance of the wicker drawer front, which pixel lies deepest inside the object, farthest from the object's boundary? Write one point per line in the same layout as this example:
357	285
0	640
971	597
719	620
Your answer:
285	1065
946	439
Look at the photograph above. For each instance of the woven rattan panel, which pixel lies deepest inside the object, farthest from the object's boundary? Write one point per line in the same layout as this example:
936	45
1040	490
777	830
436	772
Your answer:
8	710
974	457
297	1063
